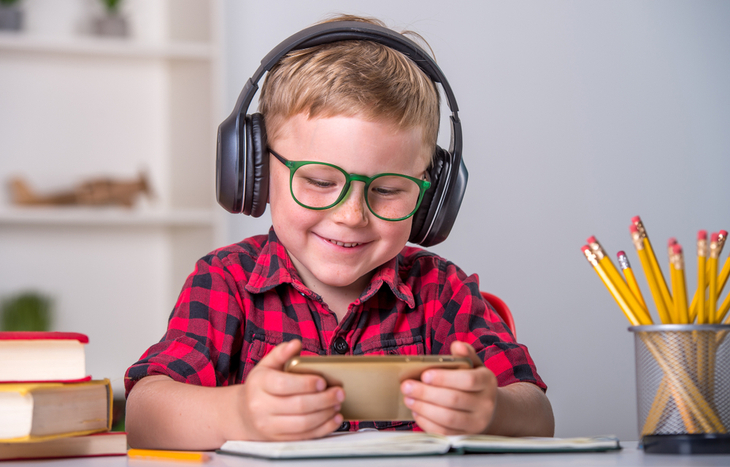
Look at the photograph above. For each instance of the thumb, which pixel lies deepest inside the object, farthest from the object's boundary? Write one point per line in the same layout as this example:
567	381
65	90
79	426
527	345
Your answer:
277	358
462	349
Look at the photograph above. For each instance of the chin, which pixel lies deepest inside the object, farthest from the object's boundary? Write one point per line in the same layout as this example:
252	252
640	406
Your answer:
340	281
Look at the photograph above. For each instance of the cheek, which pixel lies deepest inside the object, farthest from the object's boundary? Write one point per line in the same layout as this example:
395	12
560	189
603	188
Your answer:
396	232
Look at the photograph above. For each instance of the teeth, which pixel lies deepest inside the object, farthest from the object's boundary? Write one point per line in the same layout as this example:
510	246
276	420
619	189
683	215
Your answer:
346	245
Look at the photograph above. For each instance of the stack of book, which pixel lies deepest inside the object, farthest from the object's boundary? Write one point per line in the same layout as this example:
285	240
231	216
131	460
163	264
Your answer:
49	407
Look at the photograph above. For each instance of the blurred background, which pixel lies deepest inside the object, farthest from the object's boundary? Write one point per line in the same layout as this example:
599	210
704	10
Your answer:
576	116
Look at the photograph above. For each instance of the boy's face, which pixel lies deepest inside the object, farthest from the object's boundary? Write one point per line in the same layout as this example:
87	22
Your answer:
339	247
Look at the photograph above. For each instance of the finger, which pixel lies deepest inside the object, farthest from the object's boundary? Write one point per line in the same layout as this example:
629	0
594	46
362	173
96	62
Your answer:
430	425
280	383
444	397
305	404
473	380
305	426
462	349
276	359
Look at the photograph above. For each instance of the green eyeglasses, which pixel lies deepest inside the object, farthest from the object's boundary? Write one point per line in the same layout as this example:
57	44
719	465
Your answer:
320	186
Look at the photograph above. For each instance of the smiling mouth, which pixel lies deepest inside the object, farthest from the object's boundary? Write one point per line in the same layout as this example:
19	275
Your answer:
343	244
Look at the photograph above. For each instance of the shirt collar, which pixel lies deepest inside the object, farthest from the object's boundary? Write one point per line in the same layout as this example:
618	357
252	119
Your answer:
274	267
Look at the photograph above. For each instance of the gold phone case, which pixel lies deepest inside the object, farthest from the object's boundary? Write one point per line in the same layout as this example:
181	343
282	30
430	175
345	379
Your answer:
372	383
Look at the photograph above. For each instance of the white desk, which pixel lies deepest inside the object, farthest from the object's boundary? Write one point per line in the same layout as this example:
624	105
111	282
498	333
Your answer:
628	456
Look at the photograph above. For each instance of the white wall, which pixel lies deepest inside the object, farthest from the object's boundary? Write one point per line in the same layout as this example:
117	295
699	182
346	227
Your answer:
577	116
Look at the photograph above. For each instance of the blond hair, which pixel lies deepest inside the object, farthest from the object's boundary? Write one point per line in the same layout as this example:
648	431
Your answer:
351	78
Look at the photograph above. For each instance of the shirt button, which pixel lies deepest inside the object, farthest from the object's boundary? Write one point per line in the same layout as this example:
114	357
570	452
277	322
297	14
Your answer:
341	346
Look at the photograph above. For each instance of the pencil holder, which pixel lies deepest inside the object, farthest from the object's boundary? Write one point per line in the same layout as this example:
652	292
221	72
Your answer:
683	388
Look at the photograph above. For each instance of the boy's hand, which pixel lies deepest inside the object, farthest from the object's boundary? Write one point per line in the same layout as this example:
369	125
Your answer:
277	406
452	402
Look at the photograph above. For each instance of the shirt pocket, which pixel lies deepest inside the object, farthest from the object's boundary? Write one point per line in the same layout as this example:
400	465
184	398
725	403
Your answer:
398	344
261	345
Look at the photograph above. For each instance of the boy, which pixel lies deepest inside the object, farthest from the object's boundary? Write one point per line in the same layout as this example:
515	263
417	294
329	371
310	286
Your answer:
332	276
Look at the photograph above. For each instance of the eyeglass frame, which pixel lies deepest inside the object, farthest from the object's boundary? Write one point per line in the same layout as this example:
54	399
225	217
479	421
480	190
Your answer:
293	166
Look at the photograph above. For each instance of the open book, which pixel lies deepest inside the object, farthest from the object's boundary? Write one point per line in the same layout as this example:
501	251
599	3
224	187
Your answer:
398	443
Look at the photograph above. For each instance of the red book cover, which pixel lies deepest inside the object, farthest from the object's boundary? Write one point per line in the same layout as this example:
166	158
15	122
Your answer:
48	335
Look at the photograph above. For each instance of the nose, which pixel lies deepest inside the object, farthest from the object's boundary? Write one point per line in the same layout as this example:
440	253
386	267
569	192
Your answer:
352	210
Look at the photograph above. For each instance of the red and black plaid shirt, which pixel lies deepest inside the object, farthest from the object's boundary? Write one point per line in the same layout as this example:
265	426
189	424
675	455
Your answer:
244	299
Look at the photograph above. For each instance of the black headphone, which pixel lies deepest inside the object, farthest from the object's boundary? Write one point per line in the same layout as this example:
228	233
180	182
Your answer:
242	158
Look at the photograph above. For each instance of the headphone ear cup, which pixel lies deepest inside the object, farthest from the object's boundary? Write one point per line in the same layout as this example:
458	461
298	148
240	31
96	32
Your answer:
434	224
256	171
423	217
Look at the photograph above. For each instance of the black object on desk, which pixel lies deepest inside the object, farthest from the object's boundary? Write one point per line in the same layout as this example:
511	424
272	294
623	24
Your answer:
706	443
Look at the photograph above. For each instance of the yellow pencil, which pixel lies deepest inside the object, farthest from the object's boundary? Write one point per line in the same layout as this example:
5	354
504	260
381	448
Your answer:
591	257
674	309
723	309
154	454
699	310
712	262
623	262
725	273
649	274
679	285
639	311
656	269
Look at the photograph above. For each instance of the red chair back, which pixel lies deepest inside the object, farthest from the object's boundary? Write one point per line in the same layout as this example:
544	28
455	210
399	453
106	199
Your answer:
502	310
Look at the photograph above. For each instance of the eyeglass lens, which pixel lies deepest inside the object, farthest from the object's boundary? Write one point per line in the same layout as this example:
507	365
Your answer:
388	196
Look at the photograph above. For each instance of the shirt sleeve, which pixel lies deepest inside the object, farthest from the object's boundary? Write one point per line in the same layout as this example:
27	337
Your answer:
462	314
203	330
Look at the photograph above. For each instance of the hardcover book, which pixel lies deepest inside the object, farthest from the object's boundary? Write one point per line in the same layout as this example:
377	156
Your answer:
27	356
38	411
99	444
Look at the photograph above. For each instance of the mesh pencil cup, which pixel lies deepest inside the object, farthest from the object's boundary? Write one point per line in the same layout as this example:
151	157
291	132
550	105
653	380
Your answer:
683	387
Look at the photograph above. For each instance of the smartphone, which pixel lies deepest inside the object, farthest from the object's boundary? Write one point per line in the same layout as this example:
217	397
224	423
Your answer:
372	383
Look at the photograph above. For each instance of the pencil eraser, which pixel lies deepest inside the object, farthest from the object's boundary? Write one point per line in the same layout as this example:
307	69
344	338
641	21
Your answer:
672	241
714	237
633	228
636	219
621	253
592	239
702	235
584	248
677	249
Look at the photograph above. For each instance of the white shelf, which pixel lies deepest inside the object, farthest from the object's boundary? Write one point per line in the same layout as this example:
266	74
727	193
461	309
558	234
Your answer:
77	106
106	216
107	47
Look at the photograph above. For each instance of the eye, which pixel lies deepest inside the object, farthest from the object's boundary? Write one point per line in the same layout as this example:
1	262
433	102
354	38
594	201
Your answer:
386	191
320	183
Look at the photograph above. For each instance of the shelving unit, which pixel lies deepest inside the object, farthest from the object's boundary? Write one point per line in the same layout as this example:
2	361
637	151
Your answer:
74	107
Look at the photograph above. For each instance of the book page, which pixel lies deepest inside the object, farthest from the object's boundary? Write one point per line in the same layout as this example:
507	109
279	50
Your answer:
345	444
16	410
487	443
